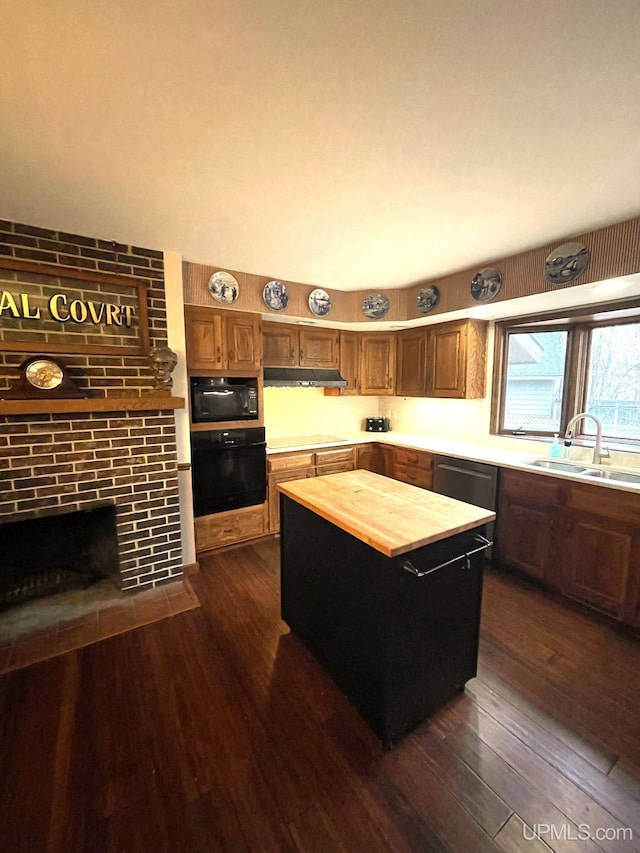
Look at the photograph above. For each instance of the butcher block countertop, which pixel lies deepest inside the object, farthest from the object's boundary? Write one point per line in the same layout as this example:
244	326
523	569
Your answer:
388	515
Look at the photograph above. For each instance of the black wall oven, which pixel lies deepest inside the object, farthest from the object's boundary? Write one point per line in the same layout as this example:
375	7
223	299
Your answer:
228	469
223	399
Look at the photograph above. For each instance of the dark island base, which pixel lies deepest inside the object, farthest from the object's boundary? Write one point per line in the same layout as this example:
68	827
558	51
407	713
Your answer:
397	645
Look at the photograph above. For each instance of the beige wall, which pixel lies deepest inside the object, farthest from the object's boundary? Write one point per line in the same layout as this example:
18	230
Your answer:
306	411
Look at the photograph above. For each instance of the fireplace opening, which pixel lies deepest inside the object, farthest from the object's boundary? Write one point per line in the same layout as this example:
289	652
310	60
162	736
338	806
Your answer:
49	554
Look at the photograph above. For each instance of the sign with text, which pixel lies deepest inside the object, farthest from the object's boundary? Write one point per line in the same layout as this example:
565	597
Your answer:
54	309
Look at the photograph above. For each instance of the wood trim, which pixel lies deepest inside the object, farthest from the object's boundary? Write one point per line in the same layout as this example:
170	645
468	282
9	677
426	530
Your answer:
94	404
139	347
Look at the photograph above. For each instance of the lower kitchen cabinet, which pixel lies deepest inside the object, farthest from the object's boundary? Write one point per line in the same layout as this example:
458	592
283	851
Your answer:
227	528
579	539
369	457
275	478
334	461
527	518
412	466
601	548
284	467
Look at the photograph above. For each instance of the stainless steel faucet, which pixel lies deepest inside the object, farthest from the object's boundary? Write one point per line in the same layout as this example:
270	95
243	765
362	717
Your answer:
599	452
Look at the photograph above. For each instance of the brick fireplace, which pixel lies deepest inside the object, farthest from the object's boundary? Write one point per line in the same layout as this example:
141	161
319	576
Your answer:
61	461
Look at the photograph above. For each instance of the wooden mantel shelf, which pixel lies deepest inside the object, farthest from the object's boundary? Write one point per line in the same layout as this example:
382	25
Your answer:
90	404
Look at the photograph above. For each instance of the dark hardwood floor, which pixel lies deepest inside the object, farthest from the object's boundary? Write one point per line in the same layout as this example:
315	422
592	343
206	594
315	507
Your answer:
215	730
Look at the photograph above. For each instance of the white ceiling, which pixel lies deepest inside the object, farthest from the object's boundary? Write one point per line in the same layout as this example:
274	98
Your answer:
342	143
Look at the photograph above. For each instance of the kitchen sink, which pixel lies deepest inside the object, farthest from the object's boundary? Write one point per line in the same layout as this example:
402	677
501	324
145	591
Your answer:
619	476
558	465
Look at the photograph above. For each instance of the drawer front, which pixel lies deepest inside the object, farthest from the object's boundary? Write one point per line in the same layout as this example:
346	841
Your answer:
287	462
343	454
405	456
414	476
611	503
225	528
334	468
532	487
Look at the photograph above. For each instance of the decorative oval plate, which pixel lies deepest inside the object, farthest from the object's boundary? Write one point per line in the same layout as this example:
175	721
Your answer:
486	284
275	295
375	306
428	298
224	287
319	302
566	263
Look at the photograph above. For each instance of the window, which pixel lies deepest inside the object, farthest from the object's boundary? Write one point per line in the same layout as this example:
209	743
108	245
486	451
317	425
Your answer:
548	372
613	380
534	381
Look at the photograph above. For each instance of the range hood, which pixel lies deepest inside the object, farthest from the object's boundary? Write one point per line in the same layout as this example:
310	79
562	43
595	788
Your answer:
302	377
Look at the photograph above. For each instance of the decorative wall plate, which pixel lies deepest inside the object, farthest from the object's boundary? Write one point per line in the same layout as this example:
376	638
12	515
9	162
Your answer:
486	284
275	295
428	298
224	287
375	306
566	263
319	302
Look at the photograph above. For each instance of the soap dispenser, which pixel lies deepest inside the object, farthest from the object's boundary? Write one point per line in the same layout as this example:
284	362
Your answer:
555	451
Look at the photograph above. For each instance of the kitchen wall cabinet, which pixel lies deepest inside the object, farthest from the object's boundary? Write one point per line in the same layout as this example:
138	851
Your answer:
222	340
377	364
348	363
413	370
458	359
281	345
319	348
579	539
291	346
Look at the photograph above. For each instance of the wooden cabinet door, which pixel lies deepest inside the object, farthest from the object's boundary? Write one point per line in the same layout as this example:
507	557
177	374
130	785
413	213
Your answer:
274	496
204	334
448	360
527	529
377	364
280	344
244	350
596	559
411	379
526	536
319	348
349	346
369	457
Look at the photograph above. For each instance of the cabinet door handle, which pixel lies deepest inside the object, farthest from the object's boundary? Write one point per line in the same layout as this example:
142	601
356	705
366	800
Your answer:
218	354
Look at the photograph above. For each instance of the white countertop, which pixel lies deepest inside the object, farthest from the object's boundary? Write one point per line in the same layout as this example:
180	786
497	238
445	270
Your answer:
452	447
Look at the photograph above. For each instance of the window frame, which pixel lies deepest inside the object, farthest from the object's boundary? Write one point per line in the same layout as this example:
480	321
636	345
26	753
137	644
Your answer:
579	327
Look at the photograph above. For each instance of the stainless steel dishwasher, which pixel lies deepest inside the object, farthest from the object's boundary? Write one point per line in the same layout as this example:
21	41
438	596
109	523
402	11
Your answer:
472	482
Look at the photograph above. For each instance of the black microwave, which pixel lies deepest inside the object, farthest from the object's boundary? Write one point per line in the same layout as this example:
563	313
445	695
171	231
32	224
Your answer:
216	399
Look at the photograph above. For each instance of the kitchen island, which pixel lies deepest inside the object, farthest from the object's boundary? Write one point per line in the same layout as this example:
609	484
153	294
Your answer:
382	582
